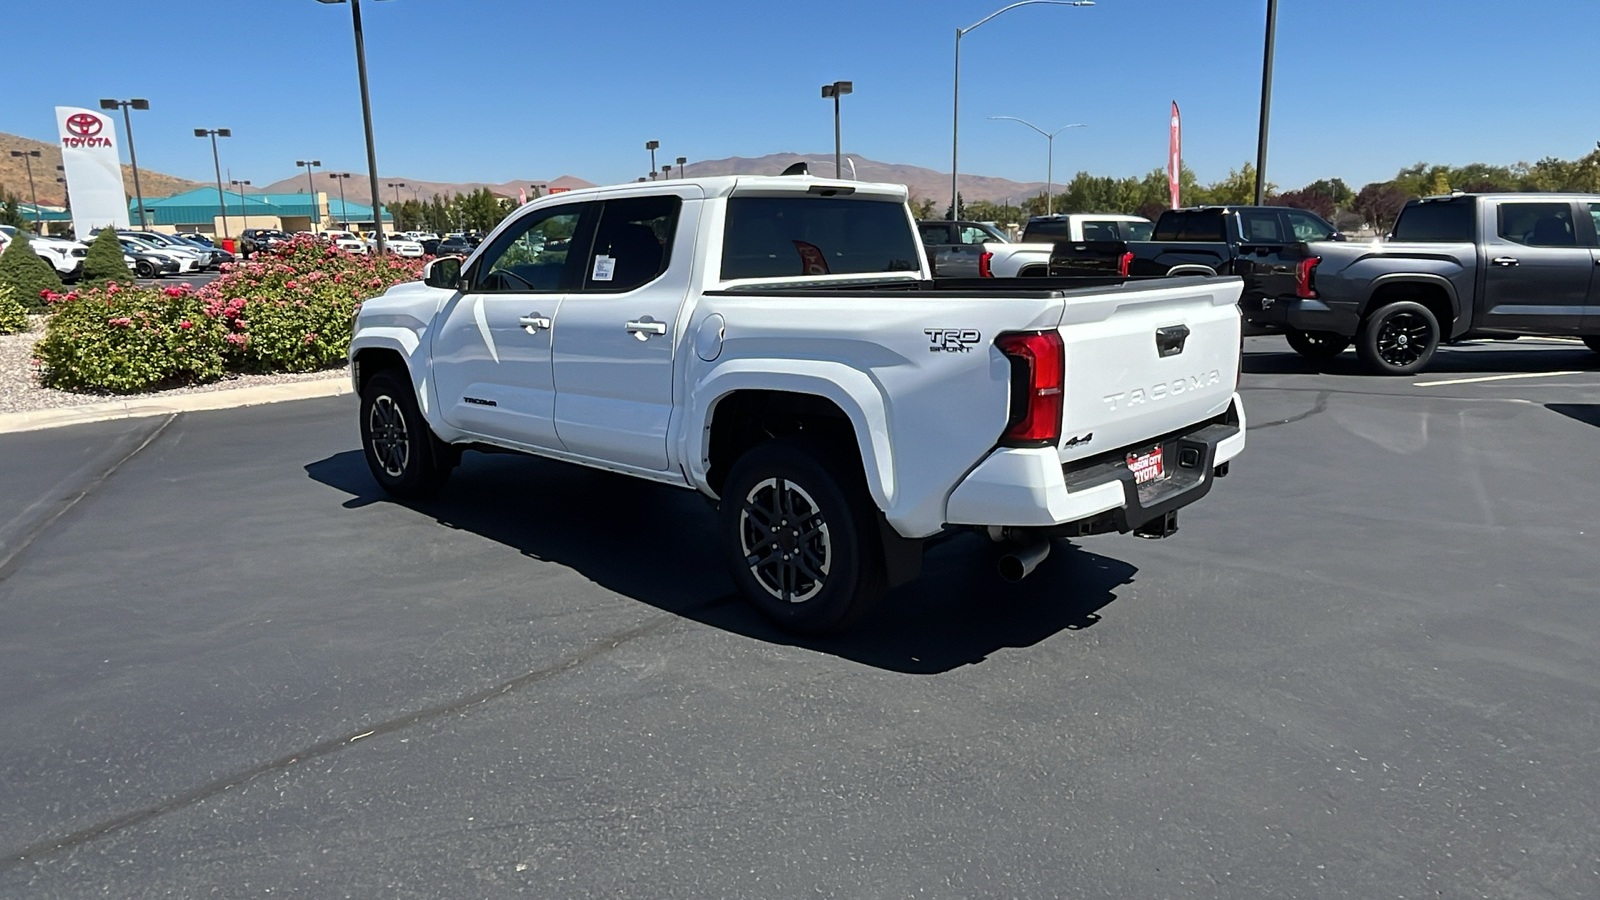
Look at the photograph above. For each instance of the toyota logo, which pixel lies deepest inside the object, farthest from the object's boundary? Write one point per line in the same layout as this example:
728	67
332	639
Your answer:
84	124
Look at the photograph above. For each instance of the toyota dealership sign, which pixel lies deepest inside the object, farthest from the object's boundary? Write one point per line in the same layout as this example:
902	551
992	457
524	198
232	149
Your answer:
94	173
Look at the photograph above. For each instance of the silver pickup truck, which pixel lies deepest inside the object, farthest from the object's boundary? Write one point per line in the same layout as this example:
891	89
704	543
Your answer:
1455	266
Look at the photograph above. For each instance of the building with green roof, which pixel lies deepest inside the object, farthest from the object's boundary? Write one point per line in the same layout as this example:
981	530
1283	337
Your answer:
199	211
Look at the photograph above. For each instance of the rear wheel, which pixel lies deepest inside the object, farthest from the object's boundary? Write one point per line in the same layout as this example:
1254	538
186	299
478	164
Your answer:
405	457
798	532
1317	344
145	269
1398	339
1593	341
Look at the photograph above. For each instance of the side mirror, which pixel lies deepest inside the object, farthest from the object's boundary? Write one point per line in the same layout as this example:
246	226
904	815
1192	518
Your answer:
444	272
1338	236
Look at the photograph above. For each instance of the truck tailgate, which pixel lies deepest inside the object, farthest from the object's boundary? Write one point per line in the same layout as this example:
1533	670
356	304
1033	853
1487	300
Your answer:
1145	359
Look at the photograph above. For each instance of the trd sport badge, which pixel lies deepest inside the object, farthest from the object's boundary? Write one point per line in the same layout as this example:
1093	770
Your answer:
951	340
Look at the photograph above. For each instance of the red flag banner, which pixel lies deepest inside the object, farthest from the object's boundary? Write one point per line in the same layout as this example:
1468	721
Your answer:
1174	155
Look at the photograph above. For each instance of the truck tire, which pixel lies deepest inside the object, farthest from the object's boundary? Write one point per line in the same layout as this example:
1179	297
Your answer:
797	528
405	457
1317	344
1593	341
1398	339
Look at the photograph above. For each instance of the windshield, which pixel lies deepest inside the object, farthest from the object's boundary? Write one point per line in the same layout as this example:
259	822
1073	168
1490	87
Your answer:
776	237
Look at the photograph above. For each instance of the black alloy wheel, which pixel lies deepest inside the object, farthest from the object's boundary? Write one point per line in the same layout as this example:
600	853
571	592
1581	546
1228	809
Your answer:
1317	344
405	457
1398	339
144	268
800	537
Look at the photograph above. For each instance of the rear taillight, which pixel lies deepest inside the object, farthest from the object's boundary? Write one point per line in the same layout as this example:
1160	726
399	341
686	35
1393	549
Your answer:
983	264
1303	286
1038	374
1124	263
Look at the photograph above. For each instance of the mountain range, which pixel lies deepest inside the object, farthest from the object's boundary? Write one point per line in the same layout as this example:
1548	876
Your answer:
922	182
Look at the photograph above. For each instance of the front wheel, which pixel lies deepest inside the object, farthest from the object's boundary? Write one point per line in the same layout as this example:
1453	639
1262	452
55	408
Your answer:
405	457
144	269
798	531
1398	339
1317	344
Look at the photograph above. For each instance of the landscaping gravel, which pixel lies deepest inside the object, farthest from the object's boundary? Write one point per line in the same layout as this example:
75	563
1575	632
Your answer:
20	390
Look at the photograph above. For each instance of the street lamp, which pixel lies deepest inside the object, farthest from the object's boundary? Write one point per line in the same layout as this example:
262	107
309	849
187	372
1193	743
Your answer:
1266	103
366	115
836	90
28	156
651	146
666	171
127	121
344	214
680	161
244	210
222	198
1050	149
955	127
309	164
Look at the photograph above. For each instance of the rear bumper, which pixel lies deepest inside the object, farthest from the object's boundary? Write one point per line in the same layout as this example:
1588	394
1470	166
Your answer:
1029	488
1299	313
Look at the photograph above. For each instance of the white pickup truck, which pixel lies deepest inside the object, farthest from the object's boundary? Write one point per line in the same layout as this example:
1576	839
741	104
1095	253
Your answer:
778	344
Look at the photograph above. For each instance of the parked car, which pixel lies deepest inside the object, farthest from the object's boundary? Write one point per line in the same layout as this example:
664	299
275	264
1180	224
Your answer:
430	245
347	242
1264	245
188	260
217	257
1455	267
1030	256
198	238
65	256
398	244
205	257
455	245
255	240
147	262
956	248
805	373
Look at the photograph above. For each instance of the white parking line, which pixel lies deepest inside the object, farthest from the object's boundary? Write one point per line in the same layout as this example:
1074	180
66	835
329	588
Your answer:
1494	378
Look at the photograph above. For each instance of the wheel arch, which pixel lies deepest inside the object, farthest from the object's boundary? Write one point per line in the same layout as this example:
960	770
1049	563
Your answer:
1432	291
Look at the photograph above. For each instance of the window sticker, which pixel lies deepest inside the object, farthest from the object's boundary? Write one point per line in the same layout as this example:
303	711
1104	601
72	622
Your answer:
604	266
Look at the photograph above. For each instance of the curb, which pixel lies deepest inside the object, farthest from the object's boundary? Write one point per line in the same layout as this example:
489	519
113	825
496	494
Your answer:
36	420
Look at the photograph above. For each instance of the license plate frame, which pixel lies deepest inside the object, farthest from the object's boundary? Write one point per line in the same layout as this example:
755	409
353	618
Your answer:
1147	466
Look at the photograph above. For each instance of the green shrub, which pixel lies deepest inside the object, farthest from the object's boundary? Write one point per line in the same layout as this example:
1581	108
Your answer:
125	340
104	264
27	273
13	315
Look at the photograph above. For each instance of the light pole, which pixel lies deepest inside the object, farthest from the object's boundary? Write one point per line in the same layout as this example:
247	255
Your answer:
836	90
680	161
955	127
651	146
28	156
366	116
222	198
244	211
1266	103
309	164
344	214
1050	149
127	121
397	185
666	171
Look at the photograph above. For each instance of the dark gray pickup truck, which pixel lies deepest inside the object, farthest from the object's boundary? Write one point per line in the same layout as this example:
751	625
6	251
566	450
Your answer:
1455	266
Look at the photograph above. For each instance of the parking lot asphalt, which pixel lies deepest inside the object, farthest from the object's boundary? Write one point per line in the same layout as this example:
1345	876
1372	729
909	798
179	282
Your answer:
1366	666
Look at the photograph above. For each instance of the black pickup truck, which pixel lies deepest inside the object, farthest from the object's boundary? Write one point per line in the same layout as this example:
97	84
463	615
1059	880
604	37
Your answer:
1264	245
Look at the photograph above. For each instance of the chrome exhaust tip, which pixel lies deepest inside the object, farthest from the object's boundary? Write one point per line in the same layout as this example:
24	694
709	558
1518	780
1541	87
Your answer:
1019	562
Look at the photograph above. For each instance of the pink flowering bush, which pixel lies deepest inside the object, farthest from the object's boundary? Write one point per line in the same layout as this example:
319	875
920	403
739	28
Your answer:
291	310
129	339
285	311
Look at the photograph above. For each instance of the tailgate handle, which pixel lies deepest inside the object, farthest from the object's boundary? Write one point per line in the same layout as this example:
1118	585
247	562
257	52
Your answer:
1169	340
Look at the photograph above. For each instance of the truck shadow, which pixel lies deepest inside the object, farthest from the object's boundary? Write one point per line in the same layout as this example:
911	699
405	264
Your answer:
1587	413
657	545
1471	357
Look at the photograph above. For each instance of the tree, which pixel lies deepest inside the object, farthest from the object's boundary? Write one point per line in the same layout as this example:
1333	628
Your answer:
1238	189
960	203
27	274
104	263
921	207
1310	198
1379	204
11	211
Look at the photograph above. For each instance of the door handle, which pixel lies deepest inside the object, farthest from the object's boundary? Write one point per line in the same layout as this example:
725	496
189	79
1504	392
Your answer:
644	328
534	323
1505	260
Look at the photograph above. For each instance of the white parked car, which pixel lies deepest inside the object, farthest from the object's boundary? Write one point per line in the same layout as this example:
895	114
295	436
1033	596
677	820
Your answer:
347	242
65	256
398	244
187	260
420	236
778	344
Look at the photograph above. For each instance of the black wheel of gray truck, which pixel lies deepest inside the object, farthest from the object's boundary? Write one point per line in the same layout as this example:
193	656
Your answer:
799	534
1593	341
1317	344
405	457
1398	339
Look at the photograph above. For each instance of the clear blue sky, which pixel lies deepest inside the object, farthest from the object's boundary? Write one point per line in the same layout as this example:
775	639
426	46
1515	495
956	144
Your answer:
497	90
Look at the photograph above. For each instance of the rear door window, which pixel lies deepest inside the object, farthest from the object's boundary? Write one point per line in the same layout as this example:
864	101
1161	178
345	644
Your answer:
1261	226
1307	227
1447	221
1193	225
934	234
1538	224
633	244
972	234
777	237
